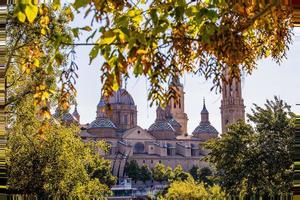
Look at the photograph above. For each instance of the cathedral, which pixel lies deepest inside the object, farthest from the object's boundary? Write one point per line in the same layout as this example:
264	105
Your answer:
166	141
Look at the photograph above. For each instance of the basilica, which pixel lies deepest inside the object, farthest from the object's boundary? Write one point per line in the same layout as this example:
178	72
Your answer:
166	141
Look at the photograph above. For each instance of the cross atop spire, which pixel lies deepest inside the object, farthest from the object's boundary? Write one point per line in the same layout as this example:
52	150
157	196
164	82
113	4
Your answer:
204	113
204	110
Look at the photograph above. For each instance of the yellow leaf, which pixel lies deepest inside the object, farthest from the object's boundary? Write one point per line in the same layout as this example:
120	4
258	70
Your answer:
36	62
107	38
45	96
115	86
21	16
141	51
43	31
31	12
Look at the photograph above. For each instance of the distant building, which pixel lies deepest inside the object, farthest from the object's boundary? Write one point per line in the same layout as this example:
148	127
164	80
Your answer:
166	141
232	103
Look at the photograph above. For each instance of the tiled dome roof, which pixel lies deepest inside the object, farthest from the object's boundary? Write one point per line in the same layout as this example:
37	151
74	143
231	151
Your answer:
68	117
205	127
161	126
119	97
101	123
175	124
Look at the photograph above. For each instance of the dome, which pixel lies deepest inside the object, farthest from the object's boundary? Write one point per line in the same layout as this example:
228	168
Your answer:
101	123
175	124
119	97
64	116
68	117
161	126
205	128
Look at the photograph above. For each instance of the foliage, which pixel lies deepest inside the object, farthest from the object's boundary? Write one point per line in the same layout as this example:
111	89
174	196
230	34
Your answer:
132	170
189	189
145	173
38	51
53	163
179	174
266	147
194	172
201	174
164	39
100	168
159	173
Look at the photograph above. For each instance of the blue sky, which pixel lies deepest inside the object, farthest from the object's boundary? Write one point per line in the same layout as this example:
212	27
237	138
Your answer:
267	80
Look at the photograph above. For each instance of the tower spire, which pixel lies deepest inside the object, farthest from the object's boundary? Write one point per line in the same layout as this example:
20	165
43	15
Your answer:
232	104
76	114
204	113
177	105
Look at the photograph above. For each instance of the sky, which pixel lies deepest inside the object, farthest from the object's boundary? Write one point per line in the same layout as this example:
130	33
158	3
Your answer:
268	80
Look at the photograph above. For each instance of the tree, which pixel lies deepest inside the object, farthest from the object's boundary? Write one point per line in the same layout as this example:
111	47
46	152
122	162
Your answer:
132	170
266	147
204	174
145	173
164	39
189	189
201	174
179	174
100	168
194	172
159	173
37	52
53	163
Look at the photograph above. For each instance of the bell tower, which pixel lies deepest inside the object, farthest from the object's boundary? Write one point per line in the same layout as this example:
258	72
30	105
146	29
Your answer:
232	103
177	107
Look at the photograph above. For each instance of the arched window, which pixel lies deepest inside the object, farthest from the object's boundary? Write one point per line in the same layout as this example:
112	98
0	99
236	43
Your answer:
139	148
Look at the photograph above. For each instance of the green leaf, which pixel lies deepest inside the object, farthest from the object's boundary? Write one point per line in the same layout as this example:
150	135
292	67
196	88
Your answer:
80	3
21	16
56	4
75	32
59	58
93	53
86	28
31	12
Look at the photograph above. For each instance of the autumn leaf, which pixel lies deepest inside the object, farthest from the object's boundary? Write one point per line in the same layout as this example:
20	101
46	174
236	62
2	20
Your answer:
31	12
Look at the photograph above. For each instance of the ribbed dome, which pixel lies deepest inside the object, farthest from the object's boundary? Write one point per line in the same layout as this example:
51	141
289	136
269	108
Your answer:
101	123
175	124
161	126
205	128
119	97
68	117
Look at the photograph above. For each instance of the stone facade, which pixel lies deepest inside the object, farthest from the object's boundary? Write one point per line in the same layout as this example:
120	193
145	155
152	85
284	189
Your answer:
166	141
232	104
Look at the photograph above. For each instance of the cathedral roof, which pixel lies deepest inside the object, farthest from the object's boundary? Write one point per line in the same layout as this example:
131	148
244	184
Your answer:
204	110
161	125
100	122
119	97
205	128
175	124
64	116
75	113
68	117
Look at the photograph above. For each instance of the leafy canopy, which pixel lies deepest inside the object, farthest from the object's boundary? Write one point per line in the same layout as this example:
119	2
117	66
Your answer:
189	189
56	163
256	160
164	39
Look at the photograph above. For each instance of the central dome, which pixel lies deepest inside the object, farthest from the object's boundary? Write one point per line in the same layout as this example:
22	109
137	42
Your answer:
119	97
